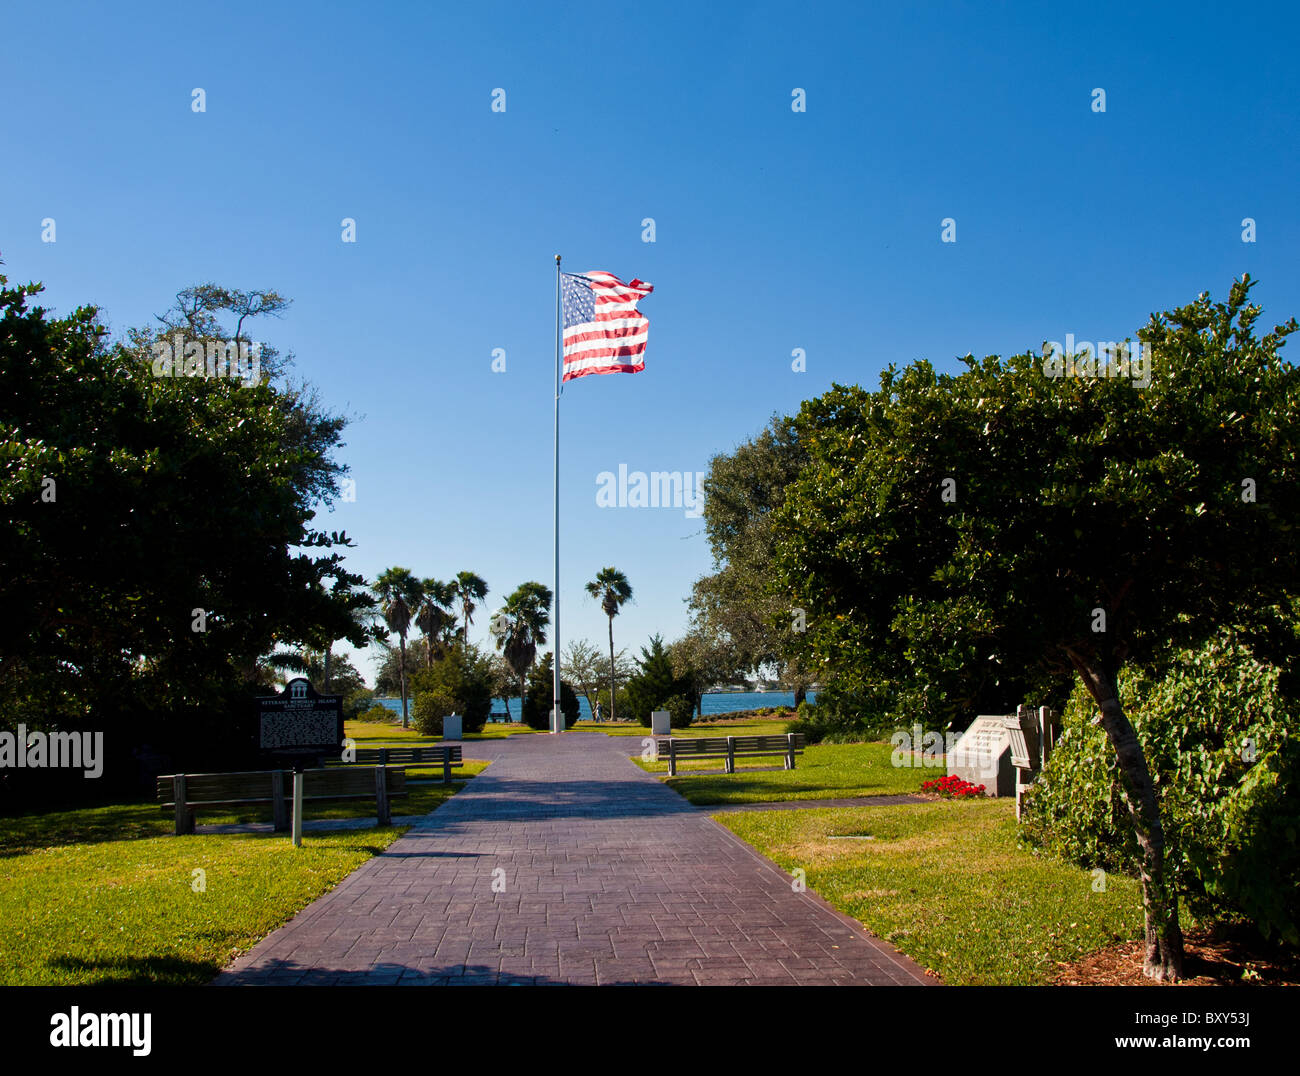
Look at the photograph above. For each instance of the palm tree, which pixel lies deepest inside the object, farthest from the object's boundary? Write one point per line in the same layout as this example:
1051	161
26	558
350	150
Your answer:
520	627
612	590
434	616
469	588
398	592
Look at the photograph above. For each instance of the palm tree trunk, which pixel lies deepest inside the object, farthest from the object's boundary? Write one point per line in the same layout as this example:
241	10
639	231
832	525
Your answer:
401	647
612	715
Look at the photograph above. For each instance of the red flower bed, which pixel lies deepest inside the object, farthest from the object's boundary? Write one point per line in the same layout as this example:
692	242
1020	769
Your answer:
952	787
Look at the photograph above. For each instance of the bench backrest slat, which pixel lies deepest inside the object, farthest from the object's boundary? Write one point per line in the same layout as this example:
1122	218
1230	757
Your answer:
256	784
401	756
701	745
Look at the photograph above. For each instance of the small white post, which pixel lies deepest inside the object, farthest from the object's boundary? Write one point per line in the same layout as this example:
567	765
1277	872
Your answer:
298	778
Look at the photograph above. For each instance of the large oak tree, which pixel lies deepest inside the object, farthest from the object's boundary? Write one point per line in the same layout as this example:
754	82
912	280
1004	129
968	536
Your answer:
1078	522
157	537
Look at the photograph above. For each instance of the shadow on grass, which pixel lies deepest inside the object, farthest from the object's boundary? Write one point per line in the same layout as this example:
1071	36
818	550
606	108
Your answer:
91	825
729	788
140	971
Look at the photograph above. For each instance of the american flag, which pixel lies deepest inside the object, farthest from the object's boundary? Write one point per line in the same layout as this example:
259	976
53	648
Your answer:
604	333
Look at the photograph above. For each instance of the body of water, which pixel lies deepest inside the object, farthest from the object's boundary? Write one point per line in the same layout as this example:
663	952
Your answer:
714	703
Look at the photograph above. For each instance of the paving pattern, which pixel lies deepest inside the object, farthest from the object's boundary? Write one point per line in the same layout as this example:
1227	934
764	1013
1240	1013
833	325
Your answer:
565	863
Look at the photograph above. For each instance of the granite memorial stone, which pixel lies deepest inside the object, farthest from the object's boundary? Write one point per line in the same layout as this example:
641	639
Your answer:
983	756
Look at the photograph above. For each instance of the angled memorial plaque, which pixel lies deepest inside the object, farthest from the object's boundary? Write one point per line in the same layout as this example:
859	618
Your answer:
983	756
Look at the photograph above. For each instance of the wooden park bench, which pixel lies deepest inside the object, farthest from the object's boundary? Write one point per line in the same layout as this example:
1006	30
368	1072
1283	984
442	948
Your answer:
444	755
183	792
498	717
1031	735
730	748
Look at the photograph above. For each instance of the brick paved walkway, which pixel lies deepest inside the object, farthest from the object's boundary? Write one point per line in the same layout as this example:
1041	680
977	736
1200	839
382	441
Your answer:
601	875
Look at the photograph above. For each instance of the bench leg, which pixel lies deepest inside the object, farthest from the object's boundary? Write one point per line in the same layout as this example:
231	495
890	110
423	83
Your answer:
279	807
381	796
184	814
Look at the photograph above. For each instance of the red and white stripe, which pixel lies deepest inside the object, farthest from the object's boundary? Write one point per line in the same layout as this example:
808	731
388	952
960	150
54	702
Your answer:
614	343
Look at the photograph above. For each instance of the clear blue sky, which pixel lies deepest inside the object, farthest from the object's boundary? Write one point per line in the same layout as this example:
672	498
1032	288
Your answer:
775	230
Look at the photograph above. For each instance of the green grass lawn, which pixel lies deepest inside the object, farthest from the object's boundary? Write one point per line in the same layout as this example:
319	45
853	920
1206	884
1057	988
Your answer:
745	726
419	799
133	821
126	910
823	771
383	734
946	883
105	894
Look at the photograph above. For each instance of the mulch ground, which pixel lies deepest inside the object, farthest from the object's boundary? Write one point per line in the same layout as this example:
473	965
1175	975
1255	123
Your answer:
1211	959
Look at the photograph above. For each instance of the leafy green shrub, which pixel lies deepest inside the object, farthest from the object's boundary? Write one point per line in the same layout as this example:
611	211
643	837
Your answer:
1074	807
680	710
378	714
428	710
1221	742
840	716
464	676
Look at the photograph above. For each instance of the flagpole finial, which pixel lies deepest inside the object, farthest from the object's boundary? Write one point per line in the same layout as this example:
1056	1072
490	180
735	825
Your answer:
557	259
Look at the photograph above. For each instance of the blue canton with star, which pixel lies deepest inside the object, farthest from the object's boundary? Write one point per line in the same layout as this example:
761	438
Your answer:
577	299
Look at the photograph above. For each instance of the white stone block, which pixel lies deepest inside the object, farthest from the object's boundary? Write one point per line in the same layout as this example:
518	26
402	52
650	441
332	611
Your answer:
983	757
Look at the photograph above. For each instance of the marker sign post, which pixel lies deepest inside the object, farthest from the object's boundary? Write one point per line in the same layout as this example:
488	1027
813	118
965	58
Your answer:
297	728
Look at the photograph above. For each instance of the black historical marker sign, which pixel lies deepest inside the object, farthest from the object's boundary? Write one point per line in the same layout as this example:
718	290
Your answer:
300	721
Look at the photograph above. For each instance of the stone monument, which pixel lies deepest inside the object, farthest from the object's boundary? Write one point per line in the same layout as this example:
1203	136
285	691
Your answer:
983	756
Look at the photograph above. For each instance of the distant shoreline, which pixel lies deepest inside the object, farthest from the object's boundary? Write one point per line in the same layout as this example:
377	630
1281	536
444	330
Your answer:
715	702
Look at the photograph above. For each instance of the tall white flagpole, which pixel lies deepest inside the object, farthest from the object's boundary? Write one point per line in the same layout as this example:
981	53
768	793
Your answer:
555	699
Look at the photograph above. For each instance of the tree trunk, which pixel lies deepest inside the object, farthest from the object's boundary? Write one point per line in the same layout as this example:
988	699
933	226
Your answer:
1163	958
800	693
329	650
401	651
612	714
